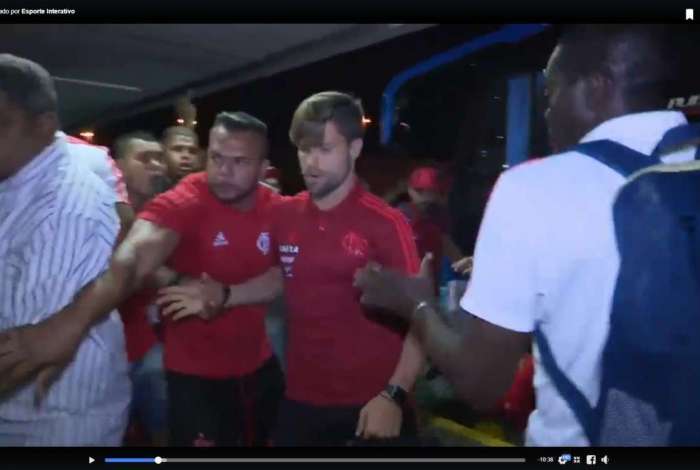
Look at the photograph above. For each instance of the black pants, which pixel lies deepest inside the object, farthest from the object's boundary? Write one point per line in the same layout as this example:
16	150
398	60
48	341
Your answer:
301	424
210	412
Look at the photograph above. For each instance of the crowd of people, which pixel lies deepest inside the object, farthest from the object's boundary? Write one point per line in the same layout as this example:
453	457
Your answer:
135	284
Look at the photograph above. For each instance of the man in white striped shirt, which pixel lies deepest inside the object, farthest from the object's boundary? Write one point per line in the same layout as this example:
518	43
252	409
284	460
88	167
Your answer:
58	227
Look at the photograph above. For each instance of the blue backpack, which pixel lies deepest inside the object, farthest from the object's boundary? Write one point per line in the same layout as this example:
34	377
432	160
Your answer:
650	382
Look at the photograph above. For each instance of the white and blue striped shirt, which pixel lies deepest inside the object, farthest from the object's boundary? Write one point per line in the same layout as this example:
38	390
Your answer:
58	228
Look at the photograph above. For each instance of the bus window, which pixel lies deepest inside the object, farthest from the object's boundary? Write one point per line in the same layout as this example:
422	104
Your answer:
458	115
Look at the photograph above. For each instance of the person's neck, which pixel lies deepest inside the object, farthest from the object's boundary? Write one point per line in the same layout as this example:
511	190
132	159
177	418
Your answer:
26	160
337	196
246	204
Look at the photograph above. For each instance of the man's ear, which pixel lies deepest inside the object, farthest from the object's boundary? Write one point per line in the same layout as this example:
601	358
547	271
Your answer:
263	169
599	97
356	148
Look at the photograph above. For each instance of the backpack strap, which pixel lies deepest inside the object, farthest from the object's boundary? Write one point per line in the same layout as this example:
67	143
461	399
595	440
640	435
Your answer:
680	136
567	389
626	161
618	157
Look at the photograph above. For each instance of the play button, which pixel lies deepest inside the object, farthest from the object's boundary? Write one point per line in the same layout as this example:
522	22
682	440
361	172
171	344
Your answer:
90	460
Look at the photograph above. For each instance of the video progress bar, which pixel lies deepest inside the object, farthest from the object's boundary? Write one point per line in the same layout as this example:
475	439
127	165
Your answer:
309	460
160	460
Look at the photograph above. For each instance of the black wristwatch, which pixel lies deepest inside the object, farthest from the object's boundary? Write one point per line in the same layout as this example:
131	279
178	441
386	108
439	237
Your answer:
396	393
176	280
226	292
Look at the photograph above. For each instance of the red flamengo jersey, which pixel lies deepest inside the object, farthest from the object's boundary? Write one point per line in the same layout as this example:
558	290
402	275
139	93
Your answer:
338	352
232	247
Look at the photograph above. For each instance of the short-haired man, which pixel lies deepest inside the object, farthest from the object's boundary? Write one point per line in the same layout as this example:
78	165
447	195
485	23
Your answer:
140	158
58	227
182	152
348	373
220	217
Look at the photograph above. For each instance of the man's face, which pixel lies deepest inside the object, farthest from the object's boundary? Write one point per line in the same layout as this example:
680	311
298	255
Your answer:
326	166
142	165
22	136
423	198
235	163
182	156
568	116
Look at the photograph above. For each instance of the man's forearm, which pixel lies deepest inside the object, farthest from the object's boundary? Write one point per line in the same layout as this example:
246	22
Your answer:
445	346
450	249
162	277
411	362
452	347
258	290
104	294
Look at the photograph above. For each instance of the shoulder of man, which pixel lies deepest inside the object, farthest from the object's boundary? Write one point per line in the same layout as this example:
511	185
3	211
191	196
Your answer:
85	146
190	189
380	212
99	160
182	207
280	204
389	228
77	194
540	171
77	180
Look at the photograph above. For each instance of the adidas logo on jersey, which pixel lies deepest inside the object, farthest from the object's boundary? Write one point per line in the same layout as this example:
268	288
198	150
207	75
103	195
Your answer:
220	240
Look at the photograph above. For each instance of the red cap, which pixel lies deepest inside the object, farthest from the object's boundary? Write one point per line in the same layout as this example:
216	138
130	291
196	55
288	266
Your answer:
425	178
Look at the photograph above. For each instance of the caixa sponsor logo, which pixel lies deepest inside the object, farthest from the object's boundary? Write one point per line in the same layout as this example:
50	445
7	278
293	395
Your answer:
288	254
292	249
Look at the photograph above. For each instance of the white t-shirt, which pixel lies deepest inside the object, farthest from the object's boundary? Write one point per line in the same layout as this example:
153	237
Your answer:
546	254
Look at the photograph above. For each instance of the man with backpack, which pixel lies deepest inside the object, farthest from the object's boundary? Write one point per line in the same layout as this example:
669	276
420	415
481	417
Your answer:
590	254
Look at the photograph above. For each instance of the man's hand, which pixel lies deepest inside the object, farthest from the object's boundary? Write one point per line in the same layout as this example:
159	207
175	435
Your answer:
394	291
42	351
380	419
203	297
464	265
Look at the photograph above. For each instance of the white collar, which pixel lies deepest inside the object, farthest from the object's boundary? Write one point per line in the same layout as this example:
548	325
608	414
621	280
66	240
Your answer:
639	131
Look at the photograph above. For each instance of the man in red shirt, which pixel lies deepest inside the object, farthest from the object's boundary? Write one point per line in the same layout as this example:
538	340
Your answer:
140	159
212	222
348	370
424	194
220	218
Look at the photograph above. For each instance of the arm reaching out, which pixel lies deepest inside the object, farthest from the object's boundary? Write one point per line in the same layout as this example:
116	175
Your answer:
479	358
206	297
52	343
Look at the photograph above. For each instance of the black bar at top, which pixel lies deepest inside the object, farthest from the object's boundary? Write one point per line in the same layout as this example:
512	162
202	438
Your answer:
380	11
